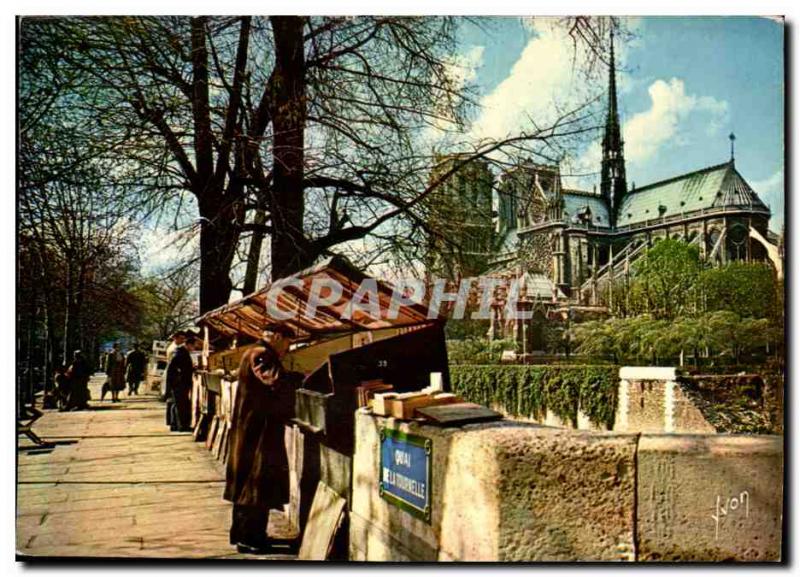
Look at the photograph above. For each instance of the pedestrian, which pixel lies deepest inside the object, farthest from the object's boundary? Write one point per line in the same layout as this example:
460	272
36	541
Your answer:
257	476
79	373
178	379
177	338
135	363
63	388
115	370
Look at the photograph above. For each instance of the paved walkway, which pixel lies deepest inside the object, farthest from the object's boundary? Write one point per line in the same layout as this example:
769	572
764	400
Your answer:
119	484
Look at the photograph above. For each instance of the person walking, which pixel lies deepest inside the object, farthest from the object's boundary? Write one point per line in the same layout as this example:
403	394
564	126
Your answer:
79	373
257	474
179	386
176	339
63	388
115	370
135	363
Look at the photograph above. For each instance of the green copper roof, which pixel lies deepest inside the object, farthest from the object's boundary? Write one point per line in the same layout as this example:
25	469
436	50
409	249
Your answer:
575	203
710	188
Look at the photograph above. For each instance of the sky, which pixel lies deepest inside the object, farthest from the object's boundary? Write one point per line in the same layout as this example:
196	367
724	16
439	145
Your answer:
684	85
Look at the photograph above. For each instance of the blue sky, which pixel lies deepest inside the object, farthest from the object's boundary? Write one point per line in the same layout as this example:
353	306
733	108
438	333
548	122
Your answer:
685	84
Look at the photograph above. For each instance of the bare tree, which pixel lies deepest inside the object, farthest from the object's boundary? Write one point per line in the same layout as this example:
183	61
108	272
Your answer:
305	130
170	301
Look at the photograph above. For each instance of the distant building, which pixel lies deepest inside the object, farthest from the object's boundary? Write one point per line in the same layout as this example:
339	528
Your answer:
460	217
581	240
577	242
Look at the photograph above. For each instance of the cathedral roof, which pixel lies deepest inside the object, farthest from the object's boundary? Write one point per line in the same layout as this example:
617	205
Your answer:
711	188
576	203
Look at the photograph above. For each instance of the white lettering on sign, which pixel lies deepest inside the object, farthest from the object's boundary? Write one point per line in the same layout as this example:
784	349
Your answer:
402	458
412	486
728	505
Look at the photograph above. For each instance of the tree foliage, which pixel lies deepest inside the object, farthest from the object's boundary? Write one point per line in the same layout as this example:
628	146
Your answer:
664	278
528	391
647	340
306	131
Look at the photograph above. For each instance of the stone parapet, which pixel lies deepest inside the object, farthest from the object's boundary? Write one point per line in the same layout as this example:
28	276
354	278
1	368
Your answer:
511	491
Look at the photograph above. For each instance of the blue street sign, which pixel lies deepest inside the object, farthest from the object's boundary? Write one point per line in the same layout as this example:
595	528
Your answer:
406	472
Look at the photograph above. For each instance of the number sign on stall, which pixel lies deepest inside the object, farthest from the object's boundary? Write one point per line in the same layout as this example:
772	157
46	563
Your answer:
406	472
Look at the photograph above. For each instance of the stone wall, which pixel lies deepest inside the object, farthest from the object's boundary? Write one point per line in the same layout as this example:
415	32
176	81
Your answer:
709	497
502	492
653	400
661	399
511	491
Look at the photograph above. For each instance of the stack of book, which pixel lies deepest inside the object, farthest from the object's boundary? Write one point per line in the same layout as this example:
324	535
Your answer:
367	390
405	405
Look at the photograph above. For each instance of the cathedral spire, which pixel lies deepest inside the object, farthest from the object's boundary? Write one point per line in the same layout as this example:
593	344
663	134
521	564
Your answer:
612	173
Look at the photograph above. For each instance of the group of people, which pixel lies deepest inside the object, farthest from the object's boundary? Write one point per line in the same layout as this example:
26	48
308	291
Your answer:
72	384
121	369
257	475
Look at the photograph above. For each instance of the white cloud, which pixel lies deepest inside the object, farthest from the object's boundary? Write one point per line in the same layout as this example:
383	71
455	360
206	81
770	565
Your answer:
670	106
464	68
539	79
663	124
771	191
548	77
161	248
462	71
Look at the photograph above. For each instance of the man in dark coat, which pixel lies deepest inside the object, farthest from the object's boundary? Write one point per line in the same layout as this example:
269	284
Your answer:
79	373
135	364
178	380
257	477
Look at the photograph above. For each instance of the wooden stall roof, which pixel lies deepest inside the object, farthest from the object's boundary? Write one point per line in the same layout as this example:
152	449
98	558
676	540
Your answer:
249	315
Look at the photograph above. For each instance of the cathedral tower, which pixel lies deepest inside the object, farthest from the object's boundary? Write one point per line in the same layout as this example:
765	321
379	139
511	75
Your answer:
612	174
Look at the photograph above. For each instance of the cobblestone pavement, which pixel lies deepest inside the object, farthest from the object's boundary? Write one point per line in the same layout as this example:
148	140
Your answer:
119	484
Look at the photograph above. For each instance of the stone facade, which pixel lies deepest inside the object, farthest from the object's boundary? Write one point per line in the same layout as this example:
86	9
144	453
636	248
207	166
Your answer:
460	213
586	240
572	238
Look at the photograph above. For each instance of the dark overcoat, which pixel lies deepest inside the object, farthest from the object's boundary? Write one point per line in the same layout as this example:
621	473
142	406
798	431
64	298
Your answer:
135	364
178	388
258	469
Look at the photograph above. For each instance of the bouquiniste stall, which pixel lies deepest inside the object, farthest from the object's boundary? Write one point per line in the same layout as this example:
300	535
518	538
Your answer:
346	345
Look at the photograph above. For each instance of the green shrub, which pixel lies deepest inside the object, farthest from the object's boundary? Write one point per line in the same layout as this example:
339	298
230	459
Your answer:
529	390
477	351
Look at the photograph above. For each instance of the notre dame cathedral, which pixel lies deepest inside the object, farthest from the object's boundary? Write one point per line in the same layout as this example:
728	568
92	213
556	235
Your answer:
570	243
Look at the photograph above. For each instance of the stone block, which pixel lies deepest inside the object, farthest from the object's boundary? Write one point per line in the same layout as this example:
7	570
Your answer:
649	373
641	406
709	498
564	495
387	532
504	491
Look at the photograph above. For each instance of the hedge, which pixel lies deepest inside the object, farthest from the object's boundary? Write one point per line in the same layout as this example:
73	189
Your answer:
529	390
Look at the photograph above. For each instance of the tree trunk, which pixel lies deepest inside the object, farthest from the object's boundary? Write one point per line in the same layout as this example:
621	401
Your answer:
51	346
218	230
290	250
254	253
218	239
